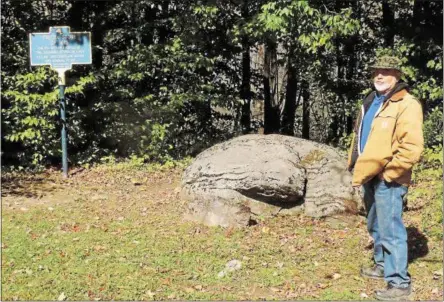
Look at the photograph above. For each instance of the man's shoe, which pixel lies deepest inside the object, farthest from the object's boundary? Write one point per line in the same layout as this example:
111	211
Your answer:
375	272
393	293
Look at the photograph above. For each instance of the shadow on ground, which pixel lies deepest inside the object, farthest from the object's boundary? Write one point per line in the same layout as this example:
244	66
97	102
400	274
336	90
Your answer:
417	244
29	188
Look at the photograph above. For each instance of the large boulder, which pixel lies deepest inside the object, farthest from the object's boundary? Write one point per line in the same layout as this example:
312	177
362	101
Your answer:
236	182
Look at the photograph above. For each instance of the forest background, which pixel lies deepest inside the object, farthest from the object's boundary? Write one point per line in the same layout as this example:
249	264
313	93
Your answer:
171	78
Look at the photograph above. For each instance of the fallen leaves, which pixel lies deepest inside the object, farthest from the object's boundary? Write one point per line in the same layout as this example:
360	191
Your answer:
99	248
265	230
289	256
322	285
333	276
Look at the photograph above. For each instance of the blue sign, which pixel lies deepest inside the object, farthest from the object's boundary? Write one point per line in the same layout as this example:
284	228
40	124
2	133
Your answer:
60	48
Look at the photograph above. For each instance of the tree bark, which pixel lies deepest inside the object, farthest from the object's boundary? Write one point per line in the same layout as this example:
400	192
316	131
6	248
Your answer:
75	16
271	108
288	115
246	77
388	20
98	35
305	110
163	29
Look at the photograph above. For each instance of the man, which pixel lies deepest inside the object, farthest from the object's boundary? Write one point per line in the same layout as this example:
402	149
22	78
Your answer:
387	142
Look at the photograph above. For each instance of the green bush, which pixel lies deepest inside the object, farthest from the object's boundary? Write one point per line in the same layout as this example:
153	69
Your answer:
433	128
427	176
31	116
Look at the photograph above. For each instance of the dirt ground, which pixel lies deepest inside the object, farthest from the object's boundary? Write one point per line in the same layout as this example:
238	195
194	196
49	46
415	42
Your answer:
147	202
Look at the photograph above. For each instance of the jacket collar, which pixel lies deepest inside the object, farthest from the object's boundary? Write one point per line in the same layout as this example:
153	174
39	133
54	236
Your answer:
398	92
398	95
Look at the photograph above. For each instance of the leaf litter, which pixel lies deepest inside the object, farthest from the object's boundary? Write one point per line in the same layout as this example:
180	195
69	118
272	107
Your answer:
102	211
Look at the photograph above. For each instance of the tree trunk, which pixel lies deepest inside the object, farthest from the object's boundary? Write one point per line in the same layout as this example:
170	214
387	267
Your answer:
388	20
245	90
98	35
246	77
147	36
288	115
75	16
305	110
163	29
271	108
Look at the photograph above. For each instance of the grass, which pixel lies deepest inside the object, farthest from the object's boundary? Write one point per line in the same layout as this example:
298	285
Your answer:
118	234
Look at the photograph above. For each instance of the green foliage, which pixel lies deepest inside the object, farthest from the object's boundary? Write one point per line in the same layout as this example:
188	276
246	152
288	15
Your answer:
316	31
430	166
433	128
31	115
345	142
168	78
429	190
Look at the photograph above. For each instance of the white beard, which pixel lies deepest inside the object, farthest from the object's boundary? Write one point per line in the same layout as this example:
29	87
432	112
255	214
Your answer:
382	87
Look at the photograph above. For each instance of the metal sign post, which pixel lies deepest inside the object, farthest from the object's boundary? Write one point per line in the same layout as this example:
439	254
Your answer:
62	84
59	49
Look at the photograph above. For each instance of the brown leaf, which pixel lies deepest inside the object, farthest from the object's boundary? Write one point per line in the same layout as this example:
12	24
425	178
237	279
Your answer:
98	248
322	285
189	290
336	276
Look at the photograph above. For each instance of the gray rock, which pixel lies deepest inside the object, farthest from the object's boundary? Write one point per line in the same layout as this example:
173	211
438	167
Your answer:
251	176
231	266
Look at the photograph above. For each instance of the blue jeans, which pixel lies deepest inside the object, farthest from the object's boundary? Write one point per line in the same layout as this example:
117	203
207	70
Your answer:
384	205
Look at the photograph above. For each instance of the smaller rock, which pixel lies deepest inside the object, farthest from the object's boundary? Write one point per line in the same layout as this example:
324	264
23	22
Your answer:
233	265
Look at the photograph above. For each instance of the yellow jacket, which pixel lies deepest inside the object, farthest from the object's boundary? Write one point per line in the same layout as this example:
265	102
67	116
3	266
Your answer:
395	142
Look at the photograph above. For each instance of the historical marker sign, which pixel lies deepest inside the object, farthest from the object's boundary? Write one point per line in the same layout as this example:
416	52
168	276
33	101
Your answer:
60	48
